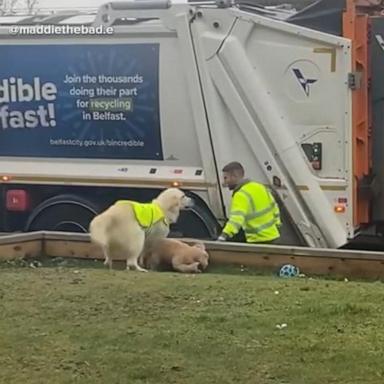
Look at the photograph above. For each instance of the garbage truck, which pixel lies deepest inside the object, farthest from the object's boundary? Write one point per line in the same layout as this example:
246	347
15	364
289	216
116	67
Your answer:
138	96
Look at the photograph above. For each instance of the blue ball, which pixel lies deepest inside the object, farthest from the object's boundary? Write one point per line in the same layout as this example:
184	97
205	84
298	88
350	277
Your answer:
289	270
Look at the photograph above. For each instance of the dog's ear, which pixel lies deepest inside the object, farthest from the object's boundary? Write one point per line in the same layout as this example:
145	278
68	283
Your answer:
199	245
174	202
203	264
174	210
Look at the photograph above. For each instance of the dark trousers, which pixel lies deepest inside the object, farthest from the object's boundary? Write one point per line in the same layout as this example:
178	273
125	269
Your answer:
239	237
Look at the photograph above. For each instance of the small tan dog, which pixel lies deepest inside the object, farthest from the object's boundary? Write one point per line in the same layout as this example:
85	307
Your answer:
123	229
172	254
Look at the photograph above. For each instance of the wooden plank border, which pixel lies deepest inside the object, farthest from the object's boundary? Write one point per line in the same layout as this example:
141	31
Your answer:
20	246
332	262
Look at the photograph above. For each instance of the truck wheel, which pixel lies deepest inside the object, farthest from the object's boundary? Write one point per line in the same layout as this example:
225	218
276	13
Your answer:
63	213
196	223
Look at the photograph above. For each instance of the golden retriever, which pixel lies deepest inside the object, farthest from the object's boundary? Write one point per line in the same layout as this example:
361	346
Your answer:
122	236
172	254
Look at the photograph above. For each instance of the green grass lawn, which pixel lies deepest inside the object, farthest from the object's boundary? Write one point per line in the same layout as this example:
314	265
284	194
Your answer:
89	325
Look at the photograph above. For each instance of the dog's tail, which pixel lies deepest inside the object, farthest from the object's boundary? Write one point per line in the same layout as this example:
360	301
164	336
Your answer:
98	228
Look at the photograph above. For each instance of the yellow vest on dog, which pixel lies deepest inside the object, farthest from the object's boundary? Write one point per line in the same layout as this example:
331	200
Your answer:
147	214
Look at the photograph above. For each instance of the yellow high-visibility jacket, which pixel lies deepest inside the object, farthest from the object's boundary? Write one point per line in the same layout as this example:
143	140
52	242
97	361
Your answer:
254	209
147	214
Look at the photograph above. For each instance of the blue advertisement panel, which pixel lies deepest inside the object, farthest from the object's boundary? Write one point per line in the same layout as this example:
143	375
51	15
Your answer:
80	101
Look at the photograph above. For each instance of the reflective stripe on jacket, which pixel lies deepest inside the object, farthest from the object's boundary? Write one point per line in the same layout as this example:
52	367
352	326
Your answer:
147	214
255	210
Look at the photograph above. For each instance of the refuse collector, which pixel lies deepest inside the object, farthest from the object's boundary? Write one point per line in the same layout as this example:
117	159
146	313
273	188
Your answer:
254	213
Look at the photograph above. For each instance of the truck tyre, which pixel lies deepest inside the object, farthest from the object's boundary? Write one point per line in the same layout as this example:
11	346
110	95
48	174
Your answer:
197	222
63	213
